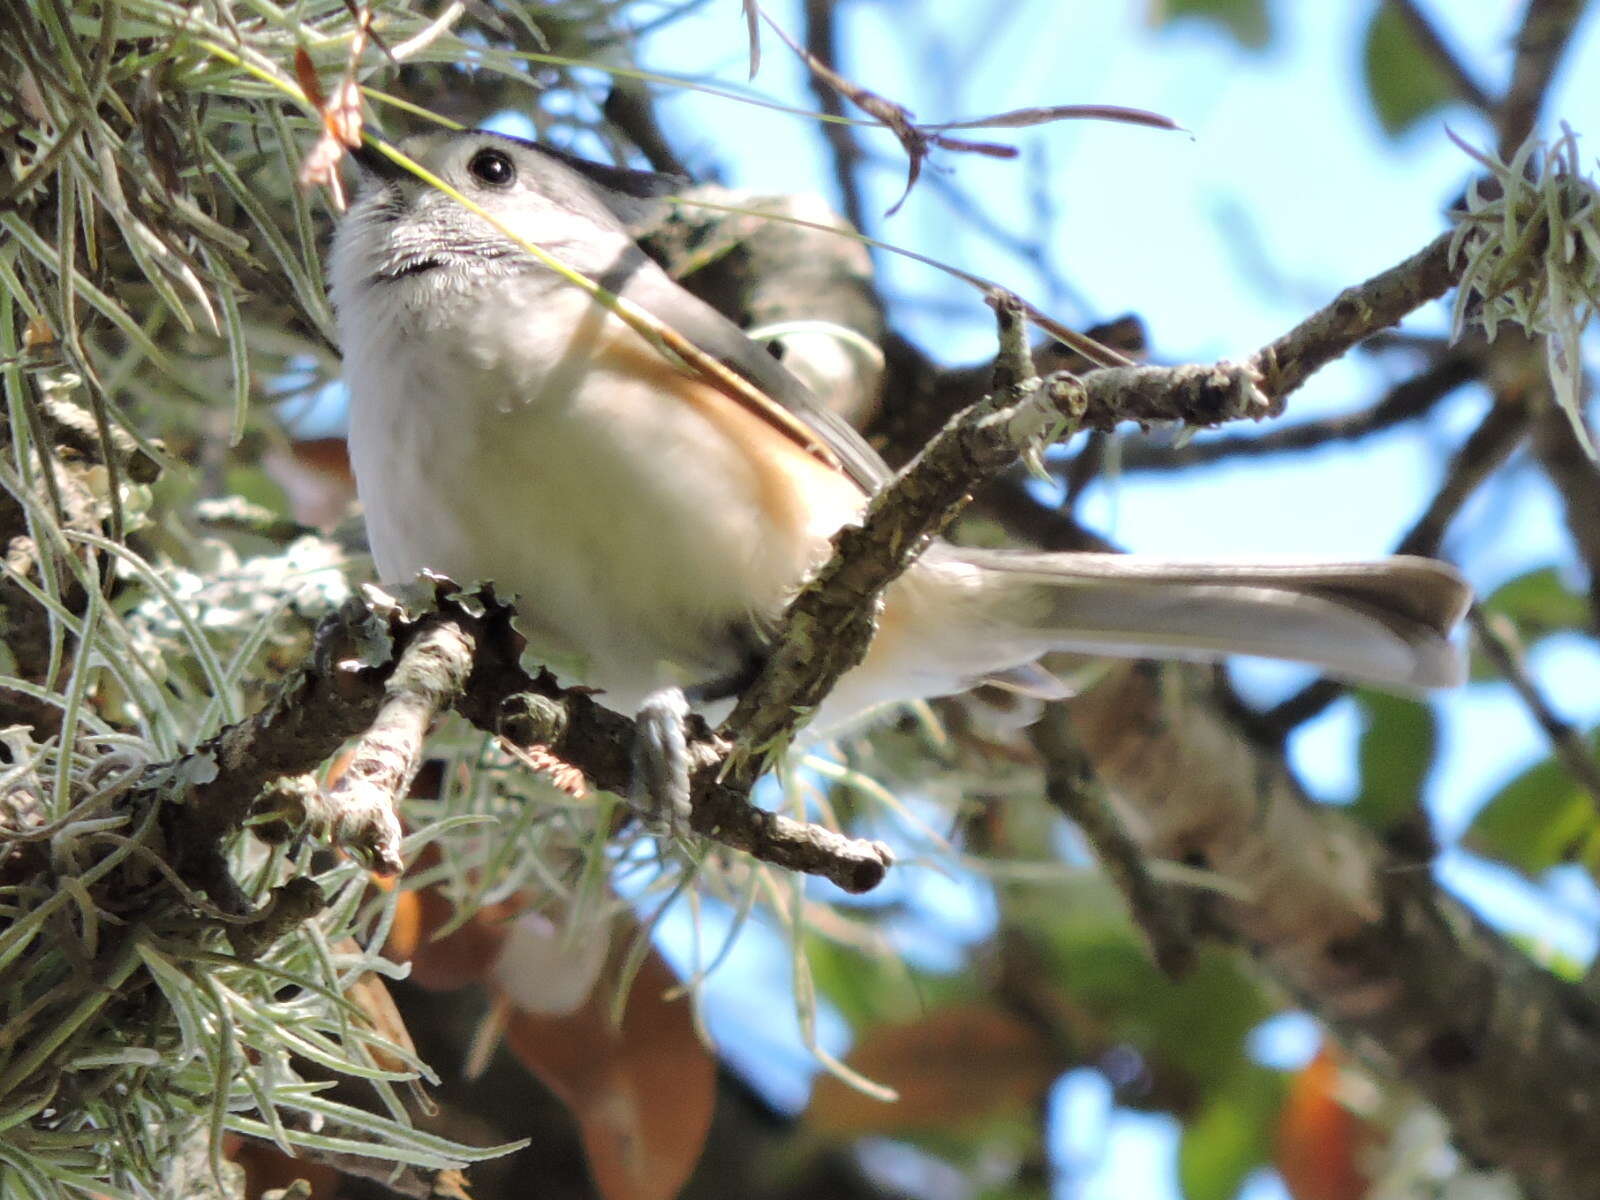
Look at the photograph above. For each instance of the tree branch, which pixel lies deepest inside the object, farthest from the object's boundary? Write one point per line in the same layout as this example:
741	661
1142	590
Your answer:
1356	313
1411	398
1547	27
1411	980
1073	788
827	628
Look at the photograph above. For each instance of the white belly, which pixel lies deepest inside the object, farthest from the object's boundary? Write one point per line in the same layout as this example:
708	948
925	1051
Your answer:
636	527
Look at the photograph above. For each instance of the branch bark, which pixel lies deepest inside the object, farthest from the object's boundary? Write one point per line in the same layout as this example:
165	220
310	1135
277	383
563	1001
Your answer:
1547	27
1371	945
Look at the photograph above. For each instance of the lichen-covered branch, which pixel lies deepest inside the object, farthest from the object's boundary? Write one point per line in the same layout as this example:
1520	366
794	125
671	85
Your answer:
1208	395
1409	399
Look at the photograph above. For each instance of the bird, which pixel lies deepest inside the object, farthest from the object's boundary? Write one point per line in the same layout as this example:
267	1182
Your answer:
653	520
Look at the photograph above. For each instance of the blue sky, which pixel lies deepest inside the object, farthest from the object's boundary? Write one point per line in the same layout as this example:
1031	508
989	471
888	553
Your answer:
1286	191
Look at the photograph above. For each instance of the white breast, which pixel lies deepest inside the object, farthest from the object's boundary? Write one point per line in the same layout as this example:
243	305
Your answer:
639	516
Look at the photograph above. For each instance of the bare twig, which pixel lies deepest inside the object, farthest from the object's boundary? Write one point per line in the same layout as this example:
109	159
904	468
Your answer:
1073	787
1356	313
1569	745
1547	27
1204	396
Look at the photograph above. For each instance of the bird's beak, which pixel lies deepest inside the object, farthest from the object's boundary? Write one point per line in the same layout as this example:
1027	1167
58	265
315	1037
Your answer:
374	164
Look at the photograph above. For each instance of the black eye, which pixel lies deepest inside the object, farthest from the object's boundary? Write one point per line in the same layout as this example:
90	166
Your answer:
492	167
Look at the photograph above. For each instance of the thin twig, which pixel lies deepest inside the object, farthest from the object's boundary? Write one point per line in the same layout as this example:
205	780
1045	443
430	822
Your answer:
1484	451
1074	788
1569	745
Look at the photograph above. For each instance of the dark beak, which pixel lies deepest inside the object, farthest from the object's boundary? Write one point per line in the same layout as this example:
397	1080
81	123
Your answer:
374	163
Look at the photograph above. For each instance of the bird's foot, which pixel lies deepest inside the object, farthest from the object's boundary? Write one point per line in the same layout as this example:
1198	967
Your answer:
659	792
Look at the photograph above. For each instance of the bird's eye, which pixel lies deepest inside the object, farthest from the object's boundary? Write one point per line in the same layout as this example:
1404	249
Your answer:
492	167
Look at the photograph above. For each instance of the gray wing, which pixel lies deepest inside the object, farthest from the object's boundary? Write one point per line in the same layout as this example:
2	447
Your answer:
654	291
631	199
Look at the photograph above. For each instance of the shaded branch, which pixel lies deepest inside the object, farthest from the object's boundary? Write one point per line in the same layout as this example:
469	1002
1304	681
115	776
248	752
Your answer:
1073	789
1577	478
1371	945
1547	27
822	41
1570	746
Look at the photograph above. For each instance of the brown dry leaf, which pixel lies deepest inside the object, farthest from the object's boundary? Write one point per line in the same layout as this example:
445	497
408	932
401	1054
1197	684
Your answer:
266	1167
371	996
950	1067
463	956
315	475
642	1094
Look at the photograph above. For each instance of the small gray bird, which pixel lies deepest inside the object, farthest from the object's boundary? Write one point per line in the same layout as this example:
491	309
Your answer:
506	426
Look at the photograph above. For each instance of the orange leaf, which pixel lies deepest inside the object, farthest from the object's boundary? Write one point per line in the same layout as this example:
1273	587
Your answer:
266	1167
949	1067
465	955
1320	1142
642	1094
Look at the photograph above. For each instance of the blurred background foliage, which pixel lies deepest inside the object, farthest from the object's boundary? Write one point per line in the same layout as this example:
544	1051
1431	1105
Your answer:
178	515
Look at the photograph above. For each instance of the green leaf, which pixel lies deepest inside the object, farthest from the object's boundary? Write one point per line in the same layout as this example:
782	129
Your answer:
1395	754
1539	603
1195	1026
1249	21
1403	82
1539	820
1231	1136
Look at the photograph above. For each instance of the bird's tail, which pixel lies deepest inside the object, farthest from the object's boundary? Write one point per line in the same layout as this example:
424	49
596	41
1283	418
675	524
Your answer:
1386	622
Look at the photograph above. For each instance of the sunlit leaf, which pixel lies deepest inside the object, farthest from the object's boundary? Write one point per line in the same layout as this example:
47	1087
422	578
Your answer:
1539	820
1232	1134
1539	603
